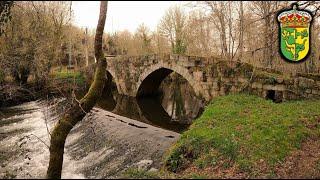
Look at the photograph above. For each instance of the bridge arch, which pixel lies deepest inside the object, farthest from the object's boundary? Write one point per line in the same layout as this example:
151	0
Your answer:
150	80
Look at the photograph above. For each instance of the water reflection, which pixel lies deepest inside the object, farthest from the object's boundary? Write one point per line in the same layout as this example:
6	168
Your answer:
179	99
174	108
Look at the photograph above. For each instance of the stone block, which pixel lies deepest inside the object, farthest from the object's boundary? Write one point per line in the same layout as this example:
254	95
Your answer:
279	87
226	80
314	91
268	87
305	82
256	85
288	81
233	89
206	86
214	93
242	80
173	57
183	58
198	75
186	63
210	79
279	80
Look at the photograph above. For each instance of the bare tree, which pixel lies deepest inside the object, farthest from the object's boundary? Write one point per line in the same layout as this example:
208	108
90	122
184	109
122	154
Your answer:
266	10
144	39
173	25
199	34
32	39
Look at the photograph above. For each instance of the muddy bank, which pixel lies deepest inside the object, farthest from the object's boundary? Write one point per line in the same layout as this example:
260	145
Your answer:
103	145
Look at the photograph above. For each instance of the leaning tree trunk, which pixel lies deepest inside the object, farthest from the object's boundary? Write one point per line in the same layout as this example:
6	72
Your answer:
78	110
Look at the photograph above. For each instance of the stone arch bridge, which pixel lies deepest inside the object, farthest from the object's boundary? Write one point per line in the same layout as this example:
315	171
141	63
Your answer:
209	77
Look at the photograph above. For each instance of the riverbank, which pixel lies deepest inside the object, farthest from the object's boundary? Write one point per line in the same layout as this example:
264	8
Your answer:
59	83
103	145
12	94
242	136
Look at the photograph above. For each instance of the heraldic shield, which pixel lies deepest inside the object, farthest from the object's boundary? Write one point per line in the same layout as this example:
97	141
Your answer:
294	34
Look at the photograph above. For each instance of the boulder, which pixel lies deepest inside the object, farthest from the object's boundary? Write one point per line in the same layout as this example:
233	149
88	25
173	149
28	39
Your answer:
144	164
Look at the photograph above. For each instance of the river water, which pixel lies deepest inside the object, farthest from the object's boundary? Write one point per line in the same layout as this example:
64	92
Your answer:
117	134
174	108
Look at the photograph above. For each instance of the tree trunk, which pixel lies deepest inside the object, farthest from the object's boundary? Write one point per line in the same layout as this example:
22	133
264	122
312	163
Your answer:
87	52
24	74
15	75
76	113
241	31
223	34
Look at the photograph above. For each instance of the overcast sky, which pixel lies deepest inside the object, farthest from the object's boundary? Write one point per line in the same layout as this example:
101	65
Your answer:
121	15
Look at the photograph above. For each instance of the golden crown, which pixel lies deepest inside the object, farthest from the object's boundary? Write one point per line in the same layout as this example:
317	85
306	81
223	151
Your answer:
294	18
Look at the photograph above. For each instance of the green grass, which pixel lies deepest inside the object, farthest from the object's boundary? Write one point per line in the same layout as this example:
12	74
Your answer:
244	130
69	76
134	173
66	74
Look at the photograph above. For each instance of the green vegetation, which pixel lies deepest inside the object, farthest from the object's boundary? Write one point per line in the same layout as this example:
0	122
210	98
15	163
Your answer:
318	165
246	132
69	76
134	173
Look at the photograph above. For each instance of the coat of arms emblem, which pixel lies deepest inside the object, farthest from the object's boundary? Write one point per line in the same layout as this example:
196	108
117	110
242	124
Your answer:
294	34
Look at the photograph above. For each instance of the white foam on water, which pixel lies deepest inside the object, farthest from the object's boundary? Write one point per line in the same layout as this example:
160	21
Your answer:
33	156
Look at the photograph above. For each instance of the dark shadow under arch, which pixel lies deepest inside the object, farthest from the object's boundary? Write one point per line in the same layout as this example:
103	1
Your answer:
150	85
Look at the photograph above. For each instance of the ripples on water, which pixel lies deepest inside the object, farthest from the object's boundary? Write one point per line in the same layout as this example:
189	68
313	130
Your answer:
24	141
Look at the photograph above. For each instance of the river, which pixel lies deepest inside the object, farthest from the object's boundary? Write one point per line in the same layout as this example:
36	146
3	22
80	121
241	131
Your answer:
120	132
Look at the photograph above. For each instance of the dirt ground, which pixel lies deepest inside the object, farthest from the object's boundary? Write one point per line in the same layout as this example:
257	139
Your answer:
300	164
303	163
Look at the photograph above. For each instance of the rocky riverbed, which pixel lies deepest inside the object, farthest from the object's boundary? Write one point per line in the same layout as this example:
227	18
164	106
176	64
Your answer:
103	145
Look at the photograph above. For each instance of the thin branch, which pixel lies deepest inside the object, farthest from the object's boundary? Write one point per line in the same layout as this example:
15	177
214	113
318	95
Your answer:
79	103
28	136
45	119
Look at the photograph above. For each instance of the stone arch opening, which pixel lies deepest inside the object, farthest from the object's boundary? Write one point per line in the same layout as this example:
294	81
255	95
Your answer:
150	80
271	95
150	85
174	91
275	96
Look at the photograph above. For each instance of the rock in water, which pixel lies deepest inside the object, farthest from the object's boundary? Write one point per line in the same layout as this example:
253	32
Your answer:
144	164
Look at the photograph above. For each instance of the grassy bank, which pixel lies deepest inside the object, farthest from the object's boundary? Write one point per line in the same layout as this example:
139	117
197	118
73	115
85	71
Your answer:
65	81
70	76
247	136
